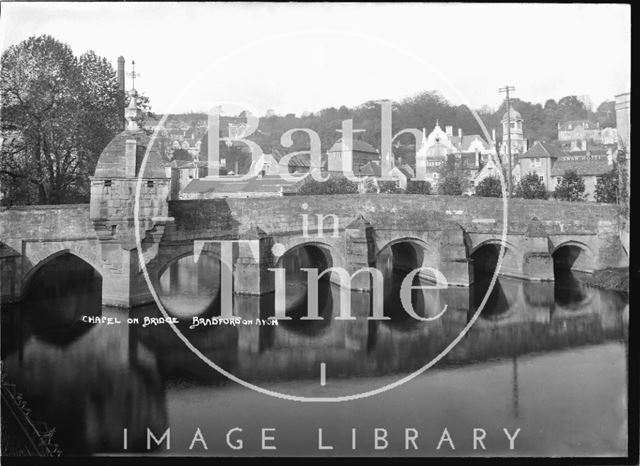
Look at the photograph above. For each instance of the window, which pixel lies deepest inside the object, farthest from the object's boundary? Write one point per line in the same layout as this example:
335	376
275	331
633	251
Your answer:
149	184
107	183
435	176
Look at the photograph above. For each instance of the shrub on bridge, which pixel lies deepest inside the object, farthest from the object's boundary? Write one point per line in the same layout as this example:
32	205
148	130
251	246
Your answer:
334	185
450	185
607	187
389	187
418	187
489	187
571	188
531	187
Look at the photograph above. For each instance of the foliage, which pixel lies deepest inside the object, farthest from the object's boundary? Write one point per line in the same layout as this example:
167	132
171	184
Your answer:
418	187
389	187
607	187
606	114
624	180
369	186
59	112
334	185
489	187
450	183
531	186
571	188
422	110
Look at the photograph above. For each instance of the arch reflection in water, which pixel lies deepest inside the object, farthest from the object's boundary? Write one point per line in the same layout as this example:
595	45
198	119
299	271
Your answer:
484	262
87	380
59	293
573	256
396	261
191	288
296	293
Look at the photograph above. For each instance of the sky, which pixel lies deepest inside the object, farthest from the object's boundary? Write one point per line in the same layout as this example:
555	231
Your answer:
293	58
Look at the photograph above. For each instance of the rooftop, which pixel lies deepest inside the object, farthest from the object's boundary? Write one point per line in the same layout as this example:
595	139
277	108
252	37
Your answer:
358	146
236	184
584	166
111	163
543	150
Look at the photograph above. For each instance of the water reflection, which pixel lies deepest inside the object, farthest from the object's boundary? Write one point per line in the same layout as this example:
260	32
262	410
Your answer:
91	381
189	287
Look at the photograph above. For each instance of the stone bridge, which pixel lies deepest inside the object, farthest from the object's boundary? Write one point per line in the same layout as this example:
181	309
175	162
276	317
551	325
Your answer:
454	235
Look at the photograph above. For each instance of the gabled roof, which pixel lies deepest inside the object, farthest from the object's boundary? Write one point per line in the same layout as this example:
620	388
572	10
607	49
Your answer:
595	166
304	161
368	169
407	170
235	184
571	125
467	139
358	146
543	150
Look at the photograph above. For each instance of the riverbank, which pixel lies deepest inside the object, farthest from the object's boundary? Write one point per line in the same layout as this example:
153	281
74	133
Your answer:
612	278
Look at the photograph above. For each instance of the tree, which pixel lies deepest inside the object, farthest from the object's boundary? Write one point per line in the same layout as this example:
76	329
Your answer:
450	181
418	187
489	187
59	112
531	186
606	114
571	188
607	187
571	108
389	187
450	185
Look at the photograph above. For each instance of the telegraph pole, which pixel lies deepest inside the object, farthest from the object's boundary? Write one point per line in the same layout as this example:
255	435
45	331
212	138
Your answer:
506	90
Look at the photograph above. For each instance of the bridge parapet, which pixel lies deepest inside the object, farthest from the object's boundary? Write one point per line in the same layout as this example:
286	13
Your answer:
450	229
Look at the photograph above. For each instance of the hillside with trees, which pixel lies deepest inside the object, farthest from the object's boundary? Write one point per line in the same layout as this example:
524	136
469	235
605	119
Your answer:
423	110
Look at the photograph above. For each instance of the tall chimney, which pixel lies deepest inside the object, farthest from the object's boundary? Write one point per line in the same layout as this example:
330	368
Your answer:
460	134
449	130
493	135
121	88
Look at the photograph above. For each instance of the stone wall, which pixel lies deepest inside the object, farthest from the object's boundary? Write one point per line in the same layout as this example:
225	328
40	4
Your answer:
391	211
29	235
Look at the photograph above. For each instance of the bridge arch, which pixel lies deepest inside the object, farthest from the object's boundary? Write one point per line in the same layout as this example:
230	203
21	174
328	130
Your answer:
573	255
308	254
407	253
486	253
41	262
168	260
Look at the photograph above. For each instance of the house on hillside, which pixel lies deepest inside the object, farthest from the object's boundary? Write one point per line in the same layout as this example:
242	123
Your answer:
342	158
589	165
539	159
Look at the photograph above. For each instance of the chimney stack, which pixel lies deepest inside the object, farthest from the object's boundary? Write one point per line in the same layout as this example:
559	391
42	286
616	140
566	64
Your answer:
460	134
121	88
449	130
493	135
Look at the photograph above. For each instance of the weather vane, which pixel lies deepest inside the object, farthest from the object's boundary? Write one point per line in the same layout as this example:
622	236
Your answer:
133	75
